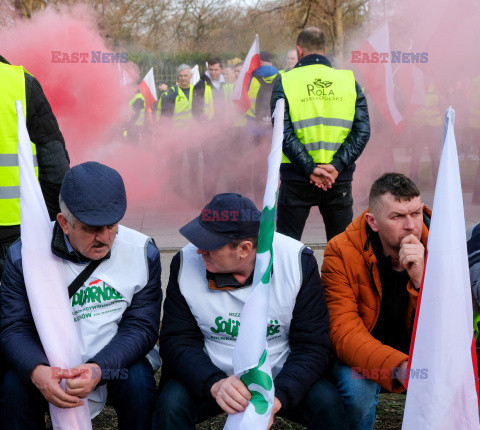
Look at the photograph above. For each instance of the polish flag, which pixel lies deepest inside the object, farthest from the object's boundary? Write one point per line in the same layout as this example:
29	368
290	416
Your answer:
378	76
148	90
240	90
443	379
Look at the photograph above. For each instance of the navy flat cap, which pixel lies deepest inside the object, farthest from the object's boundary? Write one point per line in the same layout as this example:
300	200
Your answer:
94	193
227	217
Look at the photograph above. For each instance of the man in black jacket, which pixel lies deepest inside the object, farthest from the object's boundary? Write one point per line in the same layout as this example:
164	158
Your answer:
210	279
52	156
326	128
209	103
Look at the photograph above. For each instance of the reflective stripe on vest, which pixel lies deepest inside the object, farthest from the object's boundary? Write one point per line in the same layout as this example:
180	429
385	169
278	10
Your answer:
183	106
13	88
11	160
322	107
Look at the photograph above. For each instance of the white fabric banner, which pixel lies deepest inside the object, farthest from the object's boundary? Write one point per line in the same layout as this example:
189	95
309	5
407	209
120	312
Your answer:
250	358
442	392
45	282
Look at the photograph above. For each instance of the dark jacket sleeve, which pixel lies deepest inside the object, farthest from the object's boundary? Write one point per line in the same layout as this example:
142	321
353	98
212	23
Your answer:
198	100
292	147
168	103
53	160
309	338
348	153
181	341
18	335
358	137
138	328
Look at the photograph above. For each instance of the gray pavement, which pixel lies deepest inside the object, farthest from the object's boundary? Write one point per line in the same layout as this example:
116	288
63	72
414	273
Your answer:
163	224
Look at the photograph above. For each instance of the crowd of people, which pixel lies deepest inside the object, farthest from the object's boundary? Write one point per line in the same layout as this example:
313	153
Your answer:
336	336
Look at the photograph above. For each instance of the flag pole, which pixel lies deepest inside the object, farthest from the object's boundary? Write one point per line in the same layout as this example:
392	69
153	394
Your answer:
250	357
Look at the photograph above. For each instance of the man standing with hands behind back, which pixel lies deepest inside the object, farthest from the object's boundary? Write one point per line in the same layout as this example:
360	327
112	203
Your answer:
326	128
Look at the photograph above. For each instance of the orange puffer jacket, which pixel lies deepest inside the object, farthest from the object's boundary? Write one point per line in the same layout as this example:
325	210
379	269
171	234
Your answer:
353	291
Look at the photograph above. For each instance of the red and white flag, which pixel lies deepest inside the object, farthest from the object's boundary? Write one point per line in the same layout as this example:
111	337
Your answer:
378	76
252	62
148	90
443	384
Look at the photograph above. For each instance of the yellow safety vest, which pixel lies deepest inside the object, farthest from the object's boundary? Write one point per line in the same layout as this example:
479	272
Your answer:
322	107
140	121
228	90
12	79
183	106
253	90
430	114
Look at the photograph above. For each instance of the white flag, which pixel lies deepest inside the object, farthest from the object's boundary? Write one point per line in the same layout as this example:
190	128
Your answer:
442	389
250	357
45	282
195	75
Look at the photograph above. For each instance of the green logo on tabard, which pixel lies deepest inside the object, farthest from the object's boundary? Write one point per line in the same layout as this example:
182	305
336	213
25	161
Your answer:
258	377
95	293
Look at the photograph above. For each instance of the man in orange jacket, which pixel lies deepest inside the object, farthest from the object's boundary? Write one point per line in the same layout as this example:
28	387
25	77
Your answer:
372	274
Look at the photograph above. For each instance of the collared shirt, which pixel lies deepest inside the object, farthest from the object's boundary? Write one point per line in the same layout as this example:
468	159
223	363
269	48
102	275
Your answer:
226	281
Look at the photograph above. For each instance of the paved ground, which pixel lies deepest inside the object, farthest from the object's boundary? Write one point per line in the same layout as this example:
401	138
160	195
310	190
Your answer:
163	226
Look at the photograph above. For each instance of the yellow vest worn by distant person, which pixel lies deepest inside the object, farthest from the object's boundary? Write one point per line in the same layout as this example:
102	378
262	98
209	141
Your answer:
183	106
12	80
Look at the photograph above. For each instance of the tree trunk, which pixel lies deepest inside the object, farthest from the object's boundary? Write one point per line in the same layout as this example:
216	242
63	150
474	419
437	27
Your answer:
338	43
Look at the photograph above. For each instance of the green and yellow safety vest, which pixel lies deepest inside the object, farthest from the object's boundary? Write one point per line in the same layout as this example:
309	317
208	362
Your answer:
430	114
322	107
253	90
140	121
183	106
12	80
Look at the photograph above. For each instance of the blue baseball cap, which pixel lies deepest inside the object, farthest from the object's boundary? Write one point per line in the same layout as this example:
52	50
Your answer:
227	217
94	194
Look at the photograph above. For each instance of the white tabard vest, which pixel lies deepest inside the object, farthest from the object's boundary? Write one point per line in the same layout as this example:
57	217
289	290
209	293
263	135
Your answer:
98	306
218	312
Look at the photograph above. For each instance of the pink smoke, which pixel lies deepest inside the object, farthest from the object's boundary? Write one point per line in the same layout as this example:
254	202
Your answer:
87	98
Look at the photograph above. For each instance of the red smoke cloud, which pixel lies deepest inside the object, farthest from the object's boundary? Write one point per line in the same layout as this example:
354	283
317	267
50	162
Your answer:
91	106
87	98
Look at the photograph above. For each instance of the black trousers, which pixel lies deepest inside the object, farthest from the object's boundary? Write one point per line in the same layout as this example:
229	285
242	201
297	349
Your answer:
296	198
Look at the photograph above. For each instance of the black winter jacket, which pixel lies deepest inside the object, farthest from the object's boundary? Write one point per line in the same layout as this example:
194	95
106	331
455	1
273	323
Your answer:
19	340
302	164
182	342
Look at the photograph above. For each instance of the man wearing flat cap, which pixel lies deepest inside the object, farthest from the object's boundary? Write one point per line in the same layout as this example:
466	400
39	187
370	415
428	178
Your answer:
210	280
113	279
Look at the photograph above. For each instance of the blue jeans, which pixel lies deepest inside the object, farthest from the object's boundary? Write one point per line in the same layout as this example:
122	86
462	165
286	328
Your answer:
23	407
179	409
360	396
